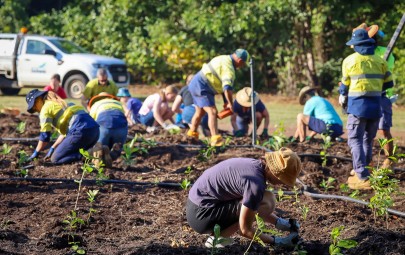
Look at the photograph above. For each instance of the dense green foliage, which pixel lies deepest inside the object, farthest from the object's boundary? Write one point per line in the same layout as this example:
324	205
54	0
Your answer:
294	42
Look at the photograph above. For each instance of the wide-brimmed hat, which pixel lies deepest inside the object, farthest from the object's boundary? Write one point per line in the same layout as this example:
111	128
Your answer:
304	91
243	54
32	96
244	97
123	92
359	37
101	96
284	164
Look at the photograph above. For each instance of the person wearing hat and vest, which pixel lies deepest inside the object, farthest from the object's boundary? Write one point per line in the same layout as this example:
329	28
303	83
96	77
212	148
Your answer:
387	99
77	129
232	192
364	77
242	113
108	112
155	109
131	106
98	85
216	77
318	115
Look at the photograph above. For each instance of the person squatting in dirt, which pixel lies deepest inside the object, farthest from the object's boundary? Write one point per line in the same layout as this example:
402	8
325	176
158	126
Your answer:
75	126
98	85
242	113
318	115
216	77
131	106
55	87
109	114
364	77
232	192
388	97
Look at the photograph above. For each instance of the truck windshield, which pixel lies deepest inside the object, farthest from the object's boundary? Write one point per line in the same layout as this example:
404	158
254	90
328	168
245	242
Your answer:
67	46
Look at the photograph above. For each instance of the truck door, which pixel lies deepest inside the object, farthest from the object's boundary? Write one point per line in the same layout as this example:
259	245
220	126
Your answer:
34	67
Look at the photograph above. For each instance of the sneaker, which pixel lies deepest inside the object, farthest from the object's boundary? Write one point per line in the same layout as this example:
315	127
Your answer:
222	242
106	156
216	140
355	183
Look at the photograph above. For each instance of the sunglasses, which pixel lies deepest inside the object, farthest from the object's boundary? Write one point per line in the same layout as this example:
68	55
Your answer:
103	81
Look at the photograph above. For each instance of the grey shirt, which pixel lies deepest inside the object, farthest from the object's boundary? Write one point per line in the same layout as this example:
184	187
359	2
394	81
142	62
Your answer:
233	179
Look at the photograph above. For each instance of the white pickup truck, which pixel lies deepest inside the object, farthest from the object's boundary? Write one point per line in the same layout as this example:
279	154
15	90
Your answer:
31	60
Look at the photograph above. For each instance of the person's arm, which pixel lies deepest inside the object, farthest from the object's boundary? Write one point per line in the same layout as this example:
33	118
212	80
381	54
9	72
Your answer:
156	112
228	95
176	104
246	219
266	117
58	141
84	101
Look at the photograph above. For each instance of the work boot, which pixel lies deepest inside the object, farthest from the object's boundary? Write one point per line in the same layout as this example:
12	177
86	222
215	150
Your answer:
97	153
216	140
388	164
355	183
193	134
106	157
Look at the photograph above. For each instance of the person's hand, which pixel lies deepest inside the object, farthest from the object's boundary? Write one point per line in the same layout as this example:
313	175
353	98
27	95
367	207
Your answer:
33	156
49	154
238	133
393	98
265	132
288	241
287	225
342	100
228	106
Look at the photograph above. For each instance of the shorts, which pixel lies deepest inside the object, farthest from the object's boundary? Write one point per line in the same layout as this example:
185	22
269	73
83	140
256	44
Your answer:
319	126
200	90
385	122
188	113
203	219
147	119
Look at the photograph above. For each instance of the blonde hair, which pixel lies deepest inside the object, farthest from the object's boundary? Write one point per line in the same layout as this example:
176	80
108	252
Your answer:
52	96
167	90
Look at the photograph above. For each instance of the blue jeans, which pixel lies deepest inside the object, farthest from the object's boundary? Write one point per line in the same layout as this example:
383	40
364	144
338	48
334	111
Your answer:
201	91
385	122
361	133
68	149
109	136
147	119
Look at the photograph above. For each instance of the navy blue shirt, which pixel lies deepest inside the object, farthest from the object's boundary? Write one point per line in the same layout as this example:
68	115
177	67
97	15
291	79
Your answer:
247	115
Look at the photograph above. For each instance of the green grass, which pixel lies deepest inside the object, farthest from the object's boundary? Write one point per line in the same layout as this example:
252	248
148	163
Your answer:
280	111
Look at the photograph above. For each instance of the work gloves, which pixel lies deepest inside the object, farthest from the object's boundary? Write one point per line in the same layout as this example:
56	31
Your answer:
291	225
33	156
238	133
49	154
288	241
393	98
342	100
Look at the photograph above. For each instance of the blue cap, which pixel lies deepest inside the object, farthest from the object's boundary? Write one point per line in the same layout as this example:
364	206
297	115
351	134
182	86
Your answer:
360	36
243	54
123	92
32	96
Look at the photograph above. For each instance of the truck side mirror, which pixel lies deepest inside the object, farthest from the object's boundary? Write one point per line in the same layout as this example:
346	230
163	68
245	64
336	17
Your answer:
50	52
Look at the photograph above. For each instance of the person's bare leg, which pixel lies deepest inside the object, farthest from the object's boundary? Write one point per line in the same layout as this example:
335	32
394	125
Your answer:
302	123
212	119
259	118
196	120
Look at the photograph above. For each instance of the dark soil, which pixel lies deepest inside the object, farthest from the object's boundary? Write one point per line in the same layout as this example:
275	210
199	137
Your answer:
150	219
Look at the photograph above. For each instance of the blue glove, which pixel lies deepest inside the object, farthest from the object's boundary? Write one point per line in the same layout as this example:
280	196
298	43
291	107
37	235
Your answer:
50	152
33	156
238	133
265	132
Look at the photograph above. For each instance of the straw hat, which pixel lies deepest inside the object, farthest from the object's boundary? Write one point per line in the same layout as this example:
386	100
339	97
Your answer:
101	96
244	97
303	93
284	164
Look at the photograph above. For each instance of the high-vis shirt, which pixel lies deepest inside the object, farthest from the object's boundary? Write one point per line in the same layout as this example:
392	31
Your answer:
220	73
109	113
53	115
364	79
93	88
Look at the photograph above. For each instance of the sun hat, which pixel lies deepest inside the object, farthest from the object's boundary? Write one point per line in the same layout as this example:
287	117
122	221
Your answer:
32	96
303	93
359	37
243	54
284	164
123	92
244	97
101	96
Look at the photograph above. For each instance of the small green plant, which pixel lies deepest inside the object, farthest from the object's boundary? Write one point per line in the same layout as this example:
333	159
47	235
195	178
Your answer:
174	131
73	222
186	183
22	158
327	184
217	239
344	187
325	146
338	244
281	196
6	149
206	153
22	173
355	194
76	248
91	197
21	127
302	208
278	139
261	228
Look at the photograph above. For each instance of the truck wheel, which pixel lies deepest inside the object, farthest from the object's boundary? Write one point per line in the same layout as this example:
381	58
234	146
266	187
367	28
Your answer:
75	85
10	91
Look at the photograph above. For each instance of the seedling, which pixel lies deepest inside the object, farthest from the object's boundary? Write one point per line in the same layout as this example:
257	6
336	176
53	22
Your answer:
261	228
206	153
73	222
22	158
91	196
76	248
281	196
355	194
303	208
217	239
344	187
22	172
338	244
186	183
21	127
327	184
6	149
325	146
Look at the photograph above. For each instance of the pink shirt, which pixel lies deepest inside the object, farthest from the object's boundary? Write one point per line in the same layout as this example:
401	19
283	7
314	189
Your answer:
147	105
60	92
